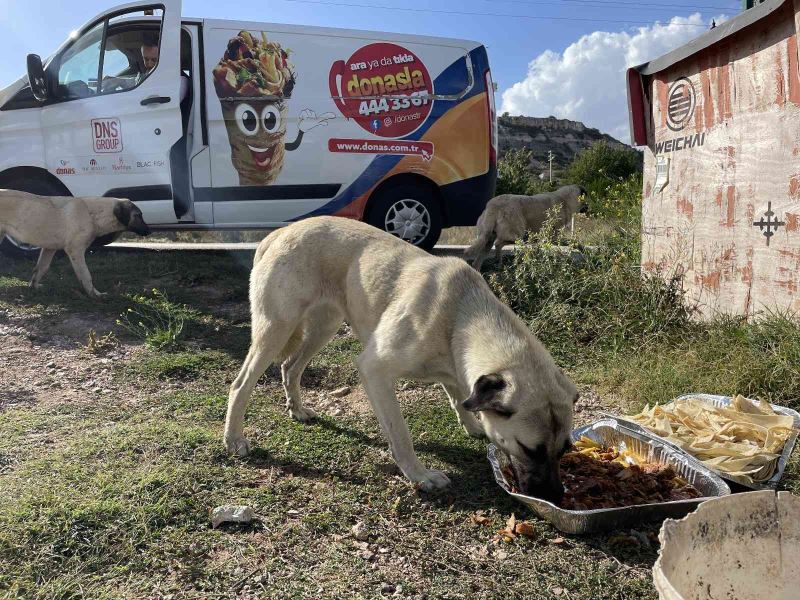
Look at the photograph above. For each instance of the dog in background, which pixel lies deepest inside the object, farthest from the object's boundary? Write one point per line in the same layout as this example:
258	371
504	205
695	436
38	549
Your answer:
508	217
419	317
55	223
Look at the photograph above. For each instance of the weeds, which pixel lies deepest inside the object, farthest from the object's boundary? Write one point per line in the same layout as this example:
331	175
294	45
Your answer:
156	320
727	356
99	345
583	301
633	334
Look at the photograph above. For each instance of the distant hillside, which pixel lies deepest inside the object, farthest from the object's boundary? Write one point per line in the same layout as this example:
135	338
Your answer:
540	135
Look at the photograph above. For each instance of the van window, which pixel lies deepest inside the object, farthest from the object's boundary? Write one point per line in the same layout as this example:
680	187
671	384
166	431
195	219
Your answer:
131	54
77	73
119	62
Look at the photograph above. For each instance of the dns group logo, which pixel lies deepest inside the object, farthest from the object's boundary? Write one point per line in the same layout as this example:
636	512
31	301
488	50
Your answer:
682	101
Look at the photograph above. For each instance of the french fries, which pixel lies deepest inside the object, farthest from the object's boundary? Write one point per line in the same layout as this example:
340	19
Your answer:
743	440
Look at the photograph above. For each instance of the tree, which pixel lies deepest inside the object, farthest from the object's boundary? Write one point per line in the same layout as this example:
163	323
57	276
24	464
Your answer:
514	174
601	165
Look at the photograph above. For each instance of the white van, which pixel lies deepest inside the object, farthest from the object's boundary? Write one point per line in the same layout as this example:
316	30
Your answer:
210	124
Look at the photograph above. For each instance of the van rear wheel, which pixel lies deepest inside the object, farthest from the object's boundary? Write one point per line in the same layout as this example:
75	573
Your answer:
409	212
14	248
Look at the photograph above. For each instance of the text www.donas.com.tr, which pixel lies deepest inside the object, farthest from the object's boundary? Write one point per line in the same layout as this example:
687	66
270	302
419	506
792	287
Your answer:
372	147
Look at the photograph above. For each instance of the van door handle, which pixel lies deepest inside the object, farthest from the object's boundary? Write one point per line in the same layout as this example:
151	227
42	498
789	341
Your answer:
156	100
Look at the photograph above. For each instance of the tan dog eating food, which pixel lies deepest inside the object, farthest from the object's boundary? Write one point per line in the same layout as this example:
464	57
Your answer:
419	317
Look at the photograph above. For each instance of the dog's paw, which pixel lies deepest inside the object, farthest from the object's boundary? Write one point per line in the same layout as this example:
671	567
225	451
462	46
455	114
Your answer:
303	414
97	295
238	446
433	480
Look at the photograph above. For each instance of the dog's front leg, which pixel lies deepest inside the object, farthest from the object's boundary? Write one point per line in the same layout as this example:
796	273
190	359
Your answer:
380	391
466	419
78	260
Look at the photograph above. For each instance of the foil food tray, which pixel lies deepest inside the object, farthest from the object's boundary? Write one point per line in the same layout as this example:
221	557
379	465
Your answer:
610	432
724	401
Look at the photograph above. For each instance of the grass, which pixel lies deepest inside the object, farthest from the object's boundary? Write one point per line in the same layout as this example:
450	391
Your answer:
727	356
122	510
110	497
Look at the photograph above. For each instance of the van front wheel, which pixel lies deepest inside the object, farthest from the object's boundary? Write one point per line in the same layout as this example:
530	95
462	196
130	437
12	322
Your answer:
409	212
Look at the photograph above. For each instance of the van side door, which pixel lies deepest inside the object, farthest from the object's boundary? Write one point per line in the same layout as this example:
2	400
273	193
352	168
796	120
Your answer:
115	113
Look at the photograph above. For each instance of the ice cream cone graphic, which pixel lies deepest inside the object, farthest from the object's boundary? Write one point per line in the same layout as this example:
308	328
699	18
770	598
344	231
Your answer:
253	81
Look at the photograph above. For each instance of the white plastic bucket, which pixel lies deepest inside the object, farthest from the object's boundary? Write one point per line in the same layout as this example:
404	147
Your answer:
739	547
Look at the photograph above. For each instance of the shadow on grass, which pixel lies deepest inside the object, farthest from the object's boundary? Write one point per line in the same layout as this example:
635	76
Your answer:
201	281
472	483
15	397
262	458
213	285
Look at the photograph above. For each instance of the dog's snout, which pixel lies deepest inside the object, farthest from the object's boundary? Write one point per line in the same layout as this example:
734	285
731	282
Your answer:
140	227
542	482
552	491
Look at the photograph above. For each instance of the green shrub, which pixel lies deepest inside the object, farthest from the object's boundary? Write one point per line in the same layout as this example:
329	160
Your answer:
581	302
514	175
156	320
601	164
619	200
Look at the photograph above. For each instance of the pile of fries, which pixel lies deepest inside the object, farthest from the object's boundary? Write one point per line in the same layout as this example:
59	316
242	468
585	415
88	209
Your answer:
744	440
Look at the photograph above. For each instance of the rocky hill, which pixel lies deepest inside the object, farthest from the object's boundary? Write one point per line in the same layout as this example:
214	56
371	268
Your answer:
540	135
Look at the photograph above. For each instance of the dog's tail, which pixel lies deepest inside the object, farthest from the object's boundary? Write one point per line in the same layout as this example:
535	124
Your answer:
486	235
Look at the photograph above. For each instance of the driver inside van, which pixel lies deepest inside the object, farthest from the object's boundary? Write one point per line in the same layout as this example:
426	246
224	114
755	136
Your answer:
150	62
150	59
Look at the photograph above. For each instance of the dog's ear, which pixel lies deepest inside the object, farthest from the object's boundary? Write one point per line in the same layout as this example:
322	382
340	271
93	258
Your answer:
486	395
122	211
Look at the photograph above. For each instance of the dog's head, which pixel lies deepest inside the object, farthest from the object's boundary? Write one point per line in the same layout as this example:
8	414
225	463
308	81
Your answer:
127	213
527	413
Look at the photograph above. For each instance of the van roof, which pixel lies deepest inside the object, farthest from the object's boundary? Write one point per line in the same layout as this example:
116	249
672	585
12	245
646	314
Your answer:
719	33
335	32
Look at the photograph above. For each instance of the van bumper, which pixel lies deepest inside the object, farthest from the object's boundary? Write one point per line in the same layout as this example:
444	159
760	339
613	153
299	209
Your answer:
464	201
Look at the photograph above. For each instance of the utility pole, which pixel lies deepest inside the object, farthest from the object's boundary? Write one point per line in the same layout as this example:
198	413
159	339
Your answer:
550	159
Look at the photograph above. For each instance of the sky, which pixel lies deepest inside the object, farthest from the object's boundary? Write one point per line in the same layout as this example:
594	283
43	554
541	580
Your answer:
565	58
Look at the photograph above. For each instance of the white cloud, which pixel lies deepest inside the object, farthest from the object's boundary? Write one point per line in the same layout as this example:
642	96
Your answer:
587	81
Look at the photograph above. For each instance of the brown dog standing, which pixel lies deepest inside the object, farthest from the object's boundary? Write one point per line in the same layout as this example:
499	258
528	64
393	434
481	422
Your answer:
56	223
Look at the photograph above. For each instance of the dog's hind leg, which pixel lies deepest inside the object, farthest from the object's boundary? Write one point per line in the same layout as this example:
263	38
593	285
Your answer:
379	385
78	260
480	253
42	266
498	251
320	324
269	339
478	262
469	421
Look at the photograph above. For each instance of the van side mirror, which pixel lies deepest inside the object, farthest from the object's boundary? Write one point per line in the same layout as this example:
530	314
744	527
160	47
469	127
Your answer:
36	78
